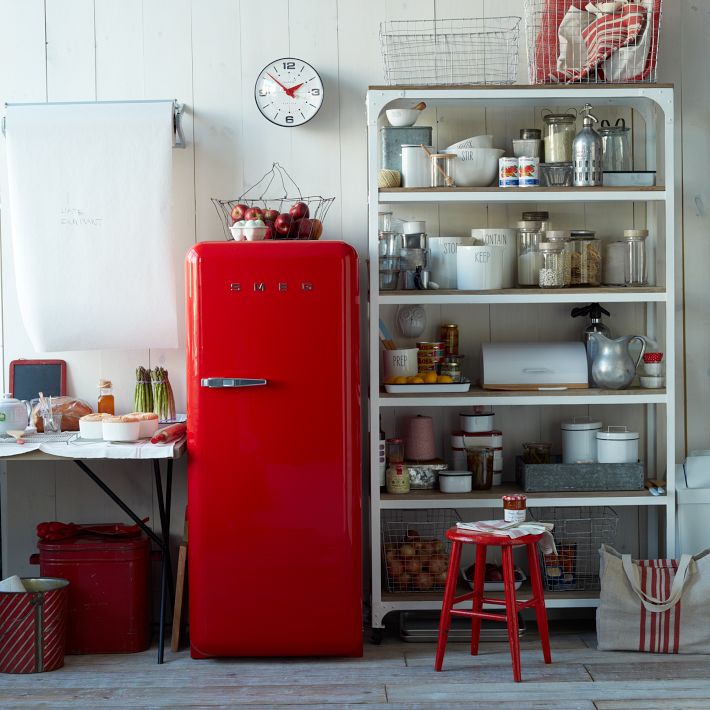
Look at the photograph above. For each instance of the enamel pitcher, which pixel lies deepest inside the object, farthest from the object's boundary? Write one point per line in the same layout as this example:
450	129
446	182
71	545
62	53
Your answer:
612	366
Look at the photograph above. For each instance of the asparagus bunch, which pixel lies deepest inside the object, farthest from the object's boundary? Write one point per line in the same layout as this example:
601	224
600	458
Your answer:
143	396
163	400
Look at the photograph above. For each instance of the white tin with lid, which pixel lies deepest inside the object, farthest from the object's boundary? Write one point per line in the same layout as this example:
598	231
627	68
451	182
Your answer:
579	442
616	444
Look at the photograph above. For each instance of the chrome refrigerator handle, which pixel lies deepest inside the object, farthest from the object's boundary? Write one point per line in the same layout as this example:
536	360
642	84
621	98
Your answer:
230	382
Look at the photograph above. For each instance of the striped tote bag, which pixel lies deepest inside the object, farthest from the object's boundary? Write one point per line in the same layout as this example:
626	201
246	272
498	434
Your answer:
657	606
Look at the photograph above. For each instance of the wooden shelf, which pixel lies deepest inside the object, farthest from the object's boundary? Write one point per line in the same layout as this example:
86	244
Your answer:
476	395
413	600
603	294
492	498
391	195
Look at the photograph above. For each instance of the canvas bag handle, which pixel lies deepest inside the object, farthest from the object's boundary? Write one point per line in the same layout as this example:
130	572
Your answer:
650	602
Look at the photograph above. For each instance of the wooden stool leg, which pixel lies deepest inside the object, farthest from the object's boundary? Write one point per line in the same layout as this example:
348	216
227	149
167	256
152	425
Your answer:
479	578
511	609
447	604
540	611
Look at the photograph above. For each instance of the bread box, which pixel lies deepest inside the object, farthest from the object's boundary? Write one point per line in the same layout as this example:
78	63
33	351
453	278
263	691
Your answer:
534	366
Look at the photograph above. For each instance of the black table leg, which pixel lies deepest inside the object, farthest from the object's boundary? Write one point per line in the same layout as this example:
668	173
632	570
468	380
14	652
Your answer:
163	542
164	512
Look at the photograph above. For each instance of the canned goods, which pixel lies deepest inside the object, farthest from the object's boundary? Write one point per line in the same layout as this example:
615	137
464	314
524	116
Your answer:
397	478
452	369
430	355
508	172
450	336
528	172
514	508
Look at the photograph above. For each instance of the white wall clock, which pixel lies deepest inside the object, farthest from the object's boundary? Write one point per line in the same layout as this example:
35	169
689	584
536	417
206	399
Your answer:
289	92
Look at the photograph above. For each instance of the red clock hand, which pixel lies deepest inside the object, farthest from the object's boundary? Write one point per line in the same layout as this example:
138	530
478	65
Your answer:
278	82
292	90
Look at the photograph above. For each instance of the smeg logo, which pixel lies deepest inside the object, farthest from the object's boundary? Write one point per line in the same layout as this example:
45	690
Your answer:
262	286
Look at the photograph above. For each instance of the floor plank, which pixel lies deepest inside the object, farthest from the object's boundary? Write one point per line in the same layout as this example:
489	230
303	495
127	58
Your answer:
699	670
645	704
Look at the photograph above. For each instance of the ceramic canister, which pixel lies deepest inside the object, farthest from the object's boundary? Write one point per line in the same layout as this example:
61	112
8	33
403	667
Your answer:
476	422
479	268
507	240
579	440
400	363
617	445
443	259
415	166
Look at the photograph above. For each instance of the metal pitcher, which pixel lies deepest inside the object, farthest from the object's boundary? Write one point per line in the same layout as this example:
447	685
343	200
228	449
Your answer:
612	365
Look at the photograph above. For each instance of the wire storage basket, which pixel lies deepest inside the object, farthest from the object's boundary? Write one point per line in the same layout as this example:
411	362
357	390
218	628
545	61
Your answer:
575	41
307	224
579	533
415	551
451	52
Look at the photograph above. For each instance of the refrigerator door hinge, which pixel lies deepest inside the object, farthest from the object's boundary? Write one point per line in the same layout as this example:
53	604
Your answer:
230	382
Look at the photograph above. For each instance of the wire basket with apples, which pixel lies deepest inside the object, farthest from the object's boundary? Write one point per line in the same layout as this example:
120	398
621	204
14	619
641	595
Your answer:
258	215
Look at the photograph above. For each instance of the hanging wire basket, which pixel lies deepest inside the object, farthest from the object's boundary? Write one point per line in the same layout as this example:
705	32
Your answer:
572	41
307	223
450	52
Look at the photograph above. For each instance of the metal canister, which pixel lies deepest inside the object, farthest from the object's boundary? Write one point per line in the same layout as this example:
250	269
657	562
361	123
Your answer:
449	334
507	172
528	172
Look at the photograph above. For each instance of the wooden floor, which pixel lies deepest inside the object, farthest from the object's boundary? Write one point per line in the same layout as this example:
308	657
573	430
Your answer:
393	675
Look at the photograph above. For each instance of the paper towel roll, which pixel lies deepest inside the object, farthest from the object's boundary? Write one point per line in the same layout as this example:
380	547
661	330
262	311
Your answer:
90	191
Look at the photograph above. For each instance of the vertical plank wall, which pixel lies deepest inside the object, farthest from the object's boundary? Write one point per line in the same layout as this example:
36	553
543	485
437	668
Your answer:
207	54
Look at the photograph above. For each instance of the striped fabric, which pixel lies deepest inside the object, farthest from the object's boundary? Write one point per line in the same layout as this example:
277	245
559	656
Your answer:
21	614
659	632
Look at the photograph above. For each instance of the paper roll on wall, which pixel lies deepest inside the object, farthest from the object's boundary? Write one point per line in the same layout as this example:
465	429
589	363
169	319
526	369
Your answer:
90	191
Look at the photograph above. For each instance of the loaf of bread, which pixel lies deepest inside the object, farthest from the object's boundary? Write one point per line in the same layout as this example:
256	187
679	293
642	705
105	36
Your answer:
70	408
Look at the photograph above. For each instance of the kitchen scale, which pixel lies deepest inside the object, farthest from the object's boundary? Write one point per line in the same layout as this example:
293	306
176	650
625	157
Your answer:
423	627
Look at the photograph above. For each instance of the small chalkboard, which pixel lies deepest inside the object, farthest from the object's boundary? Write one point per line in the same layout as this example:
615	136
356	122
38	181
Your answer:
30	377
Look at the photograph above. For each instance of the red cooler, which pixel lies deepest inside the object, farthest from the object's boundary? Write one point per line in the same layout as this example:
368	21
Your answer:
109	591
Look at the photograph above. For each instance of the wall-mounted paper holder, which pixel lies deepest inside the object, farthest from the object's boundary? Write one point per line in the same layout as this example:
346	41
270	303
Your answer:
178	109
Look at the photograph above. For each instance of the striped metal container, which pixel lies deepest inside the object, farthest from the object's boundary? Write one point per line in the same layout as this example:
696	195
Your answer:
33	626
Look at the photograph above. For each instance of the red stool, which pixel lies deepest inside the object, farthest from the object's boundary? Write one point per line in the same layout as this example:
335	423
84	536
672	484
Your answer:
512	607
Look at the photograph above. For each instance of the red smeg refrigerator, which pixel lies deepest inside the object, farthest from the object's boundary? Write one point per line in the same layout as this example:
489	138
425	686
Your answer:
273	426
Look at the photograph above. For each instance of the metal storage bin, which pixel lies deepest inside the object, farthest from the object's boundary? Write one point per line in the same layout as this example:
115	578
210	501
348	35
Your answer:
578	533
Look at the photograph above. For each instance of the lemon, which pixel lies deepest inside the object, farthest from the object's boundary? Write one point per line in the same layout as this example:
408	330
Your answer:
417	381
390	380
399	381
444	379
430	378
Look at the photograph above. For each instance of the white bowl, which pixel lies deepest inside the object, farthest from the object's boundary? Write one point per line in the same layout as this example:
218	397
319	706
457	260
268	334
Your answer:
148	427
476	167
402	117
455	481
652	382
91	430
653	368
254	234
121	431
474	142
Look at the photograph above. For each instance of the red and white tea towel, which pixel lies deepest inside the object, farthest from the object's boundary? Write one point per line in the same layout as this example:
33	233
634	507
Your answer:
514	531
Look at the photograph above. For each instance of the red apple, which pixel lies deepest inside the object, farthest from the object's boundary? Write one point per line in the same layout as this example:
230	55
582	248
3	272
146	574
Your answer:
270	233
282	223
309	228
270	215
299	210
238	212
294	229
253	213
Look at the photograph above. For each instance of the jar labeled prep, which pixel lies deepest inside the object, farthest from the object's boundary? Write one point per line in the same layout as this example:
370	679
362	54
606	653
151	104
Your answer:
616	444
579	440
585	258
514	508
552	268
508	172
398	479
560	130
635	257
529	260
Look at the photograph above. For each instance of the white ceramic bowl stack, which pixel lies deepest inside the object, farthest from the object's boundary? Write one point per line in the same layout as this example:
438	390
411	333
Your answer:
476	167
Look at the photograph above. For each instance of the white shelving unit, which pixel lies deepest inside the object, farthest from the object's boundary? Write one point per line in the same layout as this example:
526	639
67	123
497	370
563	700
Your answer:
654	104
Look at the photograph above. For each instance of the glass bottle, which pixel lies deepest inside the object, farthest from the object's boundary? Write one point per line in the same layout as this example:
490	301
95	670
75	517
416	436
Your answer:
635	257
587	149
560	130
552	268
562	238
530	235
586	258
105	404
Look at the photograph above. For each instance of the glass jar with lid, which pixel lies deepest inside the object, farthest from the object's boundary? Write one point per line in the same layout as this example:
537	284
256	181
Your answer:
562	237
384	221
560	130
542	217
635	257
585	258
616	146
530	235
552	267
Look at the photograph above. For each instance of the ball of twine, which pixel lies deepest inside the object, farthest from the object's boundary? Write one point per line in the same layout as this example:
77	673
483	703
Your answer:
419	441
389	178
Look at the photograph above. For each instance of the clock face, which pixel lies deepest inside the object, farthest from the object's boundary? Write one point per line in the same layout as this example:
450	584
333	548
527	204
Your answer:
289	92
